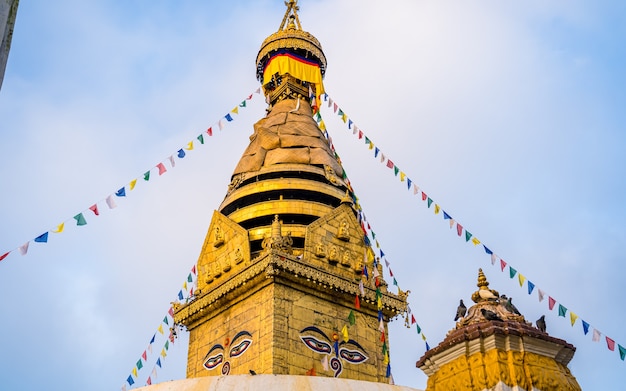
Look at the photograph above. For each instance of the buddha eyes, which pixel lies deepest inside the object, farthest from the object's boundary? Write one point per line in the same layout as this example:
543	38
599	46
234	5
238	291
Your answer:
213	361
241	347
316	345
352	356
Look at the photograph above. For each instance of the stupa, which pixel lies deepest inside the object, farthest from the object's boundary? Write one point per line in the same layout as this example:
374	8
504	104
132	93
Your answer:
280	269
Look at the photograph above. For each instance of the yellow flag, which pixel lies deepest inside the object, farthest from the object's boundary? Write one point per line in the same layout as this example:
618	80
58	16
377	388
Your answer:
322	125
132	184
190	146
163	352
402	176
475	241
380	303
235	110
344	118
386	359
135	371
572	317
185	285
59	229
370	255
344	332
423	336
160	329
521	279
437	209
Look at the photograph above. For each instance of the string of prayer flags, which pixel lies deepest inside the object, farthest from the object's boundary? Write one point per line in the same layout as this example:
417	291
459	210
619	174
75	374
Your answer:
122	192
521	279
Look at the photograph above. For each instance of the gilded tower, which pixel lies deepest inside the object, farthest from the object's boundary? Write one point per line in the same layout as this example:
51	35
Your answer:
281	266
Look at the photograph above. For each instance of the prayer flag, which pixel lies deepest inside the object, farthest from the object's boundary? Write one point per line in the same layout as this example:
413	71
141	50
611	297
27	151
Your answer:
201	139
139	364
540	294
111	202
162	169
351	317
551	302
60	228
502	264
610	344
235	110
4	255
94	209
80	219
121	192
459	229
585	326
160	329
562	310
475	241
24	248
437	209
512	272
622	352
430	202
228	117
531	286
572	318
130	380
132	184
209	131
446	216
596	335
43	238
467	235
181	153
344	332
159	362
146	176
493	259
389	164
172	161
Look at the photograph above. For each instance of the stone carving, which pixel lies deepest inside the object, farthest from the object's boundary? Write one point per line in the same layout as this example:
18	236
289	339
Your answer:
346	258
344	232
218	236
320	250
333	255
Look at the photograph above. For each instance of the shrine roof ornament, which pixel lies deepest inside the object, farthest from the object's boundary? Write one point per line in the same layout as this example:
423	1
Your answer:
293	51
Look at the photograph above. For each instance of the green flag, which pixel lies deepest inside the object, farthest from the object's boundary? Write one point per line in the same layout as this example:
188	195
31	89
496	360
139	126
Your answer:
512	272
562	310
80	219
139	364
146	176
430	202
419	329
351	318
201	139
468	236
622	351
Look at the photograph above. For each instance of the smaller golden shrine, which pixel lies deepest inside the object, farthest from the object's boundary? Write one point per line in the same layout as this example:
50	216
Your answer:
493	347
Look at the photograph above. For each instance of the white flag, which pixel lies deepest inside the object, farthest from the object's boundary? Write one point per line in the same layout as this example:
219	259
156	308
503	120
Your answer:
596	335
24	248
110	202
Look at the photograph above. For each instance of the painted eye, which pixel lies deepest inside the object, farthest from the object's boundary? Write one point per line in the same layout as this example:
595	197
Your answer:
213	361
352	356
240	348
316	345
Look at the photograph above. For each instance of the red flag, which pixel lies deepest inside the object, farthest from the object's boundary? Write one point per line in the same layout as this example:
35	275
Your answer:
424	196
502	264
360	135
376	282
193	269
459	229
149	381
144	356
389	163
382	337
94	209
4	256
610	344
210	131
171	312
390	272
551	302
335	107
413	321
311	372
161	168
357	303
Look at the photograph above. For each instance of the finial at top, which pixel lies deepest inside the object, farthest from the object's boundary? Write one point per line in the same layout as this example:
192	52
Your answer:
484	293
292	14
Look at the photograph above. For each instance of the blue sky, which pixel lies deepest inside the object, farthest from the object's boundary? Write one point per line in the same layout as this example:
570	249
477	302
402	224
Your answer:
509	116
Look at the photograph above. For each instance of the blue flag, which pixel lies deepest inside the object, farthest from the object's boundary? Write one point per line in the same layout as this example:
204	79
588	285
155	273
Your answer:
130	380
121	192
585	327
487	250
43	238
228	117
181	153
531	286
180	295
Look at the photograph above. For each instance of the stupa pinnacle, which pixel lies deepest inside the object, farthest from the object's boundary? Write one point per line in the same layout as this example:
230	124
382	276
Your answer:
281	264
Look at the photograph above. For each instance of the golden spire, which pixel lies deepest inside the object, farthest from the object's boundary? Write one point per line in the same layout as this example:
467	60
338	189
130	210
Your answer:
484	293
291	13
